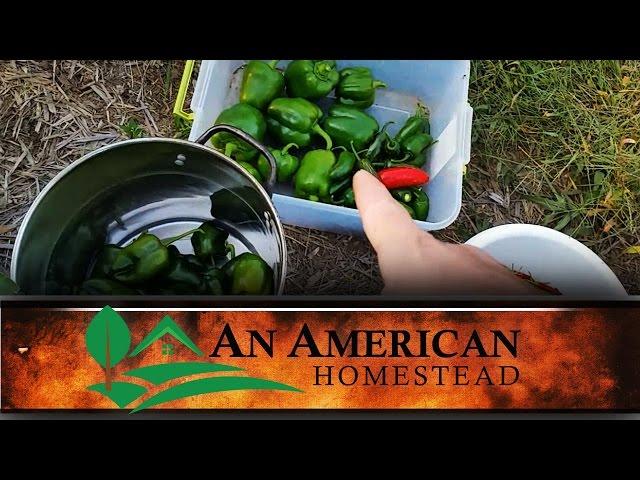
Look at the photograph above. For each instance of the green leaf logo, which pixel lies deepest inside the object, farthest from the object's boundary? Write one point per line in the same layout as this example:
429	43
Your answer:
121	393
166	327
108	340
164	372
212	385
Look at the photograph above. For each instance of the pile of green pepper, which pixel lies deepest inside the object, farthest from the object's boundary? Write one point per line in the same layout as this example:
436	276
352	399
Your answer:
152	266
278	108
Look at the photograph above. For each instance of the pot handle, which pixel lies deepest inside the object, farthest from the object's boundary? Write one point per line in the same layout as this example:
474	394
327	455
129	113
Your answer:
202	139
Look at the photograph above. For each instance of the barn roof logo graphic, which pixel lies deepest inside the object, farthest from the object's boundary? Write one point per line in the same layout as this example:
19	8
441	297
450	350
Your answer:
108	341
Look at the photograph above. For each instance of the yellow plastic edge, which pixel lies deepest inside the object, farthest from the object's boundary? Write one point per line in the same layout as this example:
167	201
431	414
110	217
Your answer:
178	108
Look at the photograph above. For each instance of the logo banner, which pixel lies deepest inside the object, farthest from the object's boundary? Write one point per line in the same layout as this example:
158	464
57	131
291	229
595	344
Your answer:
132	359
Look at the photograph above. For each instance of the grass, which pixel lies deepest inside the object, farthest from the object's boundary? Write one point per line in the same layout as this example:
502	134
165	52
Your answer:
181	128
132	129
564	135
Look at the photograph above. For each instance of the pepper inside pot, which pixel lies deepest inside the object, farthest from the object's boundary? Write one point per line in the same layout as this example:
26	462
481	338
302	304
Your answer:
161	186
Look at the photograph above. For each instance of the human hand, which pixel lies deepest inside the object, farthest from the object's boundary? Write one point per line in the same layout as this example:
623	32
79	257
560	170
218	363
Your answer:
413	262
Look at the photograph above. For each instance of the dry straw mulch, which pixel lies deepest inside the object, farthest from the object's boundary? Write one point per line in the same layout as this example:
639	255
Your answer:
52	113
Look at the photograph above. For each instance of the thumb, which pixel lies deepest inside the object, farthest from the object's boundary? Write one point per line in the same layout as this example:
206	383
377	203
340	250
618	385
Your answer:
386	223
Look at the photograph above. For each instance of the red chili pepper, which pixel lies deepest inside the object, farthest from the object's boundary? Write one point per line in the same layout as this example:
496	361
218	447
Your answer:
403	176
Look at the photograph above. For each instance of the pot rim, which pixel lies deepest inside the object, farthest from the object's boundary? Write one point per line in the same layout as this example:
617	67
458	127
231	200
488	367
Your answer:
65	171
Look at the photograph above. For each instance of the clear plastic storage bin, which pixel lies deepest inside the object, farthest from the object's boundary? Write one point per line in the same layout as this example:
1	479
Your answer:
442	85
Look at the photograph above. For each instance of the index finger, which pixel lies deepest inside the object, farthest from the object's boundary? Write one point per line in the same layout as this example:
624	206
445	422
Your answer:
386	223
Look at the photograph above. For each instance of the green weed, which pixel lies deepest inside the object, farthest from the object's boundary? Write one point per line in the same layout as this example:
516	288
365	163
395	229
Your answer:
564	135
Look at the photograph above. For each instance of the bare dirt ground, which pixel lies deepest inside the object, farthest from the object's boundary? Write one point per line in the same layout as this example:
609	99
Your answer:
53	112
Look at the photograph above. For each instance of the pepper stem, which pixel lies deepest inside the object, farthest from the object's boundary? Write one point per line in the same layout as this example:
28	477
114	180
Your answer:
374	148
379	84
288	146
317	129
421	110
229	149
392	144
364	164
322	69
170	240
273	63
402	160
231	249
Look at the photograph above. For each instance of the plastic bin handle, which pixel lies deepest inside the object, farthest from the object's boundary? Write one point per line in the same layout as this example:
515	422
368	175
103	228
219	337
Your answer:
468	117
178	108
270	182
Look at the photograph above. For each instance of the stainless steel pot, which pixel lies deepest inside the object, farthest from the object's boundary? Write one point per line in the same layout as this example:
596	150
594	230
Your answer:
164	186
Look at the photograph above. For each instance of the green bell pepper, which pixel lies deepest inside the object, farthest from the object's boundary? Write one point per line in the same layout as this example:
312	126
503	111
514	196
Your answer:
343	167
141	260
195	262
253	171
247	274
144	258
357	87
181	272
210	242
105	286
212	281
248	119
84	237
311	79
294	120
346	124
312	180
7	286
286	163
103	267
261	83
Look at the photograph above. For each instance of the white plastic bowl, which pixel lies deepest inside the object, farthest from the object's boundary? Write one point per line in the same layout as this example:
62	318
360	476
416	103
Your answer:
551	257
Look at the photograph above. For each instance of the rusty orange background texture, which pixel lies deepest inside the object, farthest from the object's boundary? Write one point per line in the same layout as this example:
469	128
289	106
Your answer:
587	359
